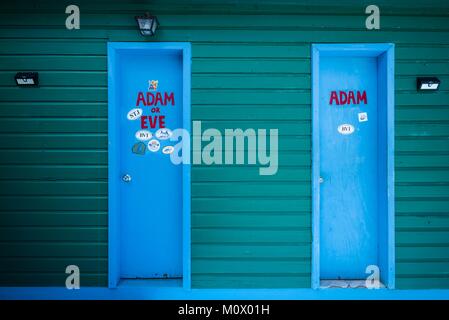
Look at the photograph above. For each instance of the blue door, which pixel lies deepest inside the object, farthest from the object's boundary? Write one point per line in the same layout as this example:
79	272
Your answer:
149	102
348	166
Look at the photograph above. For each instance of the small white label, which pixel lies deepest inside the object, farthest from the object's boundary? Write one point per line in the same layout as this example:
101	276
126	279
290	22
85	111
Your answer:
25	81
429	86
346	129
134	114
163	134
154	145
167	149
143	135
363	117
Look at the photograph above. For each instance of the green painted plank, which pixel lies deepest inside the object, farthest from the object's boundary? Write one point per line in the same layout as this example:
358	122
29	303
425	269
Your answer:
422	175
54	219
430	7
251	81
53	62
424	223
404	269
53	172
54	249
54	94
250	205
422	253
236	173
57	203
53	109
297	21
422	113
409	206
53	141
270	266
260	251
285	159
50	279
422	283
440	98
238	35
48	46
237	221
79	233
251	281
407	67
261	236
421	160
417	129
253	189
253	112
45	265
73	157
250	65
430	238
295	127
54	125
412	191
88	188
422	144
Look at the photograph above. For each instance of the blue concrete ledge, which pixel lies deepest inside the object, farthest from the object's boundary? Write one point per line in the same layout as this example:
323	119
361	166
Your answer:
175	292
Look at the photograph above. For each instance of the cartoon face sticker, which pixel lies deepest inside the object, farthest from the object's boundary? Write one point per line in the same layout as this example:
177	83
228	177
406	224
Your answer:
143	135
152	85
168	149
134	114
363	117
154	145
139	148
163	134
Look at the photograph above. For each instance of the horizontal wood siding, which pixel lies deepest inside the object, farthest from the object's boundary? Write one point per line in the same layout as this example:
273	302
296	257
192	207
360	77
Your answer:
250	69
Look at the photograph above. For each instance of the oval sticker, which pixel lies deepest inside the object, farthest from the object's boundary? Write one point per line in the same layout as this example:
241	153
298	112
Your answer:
154	145
134	114
168	149
163	134
346	129
143	135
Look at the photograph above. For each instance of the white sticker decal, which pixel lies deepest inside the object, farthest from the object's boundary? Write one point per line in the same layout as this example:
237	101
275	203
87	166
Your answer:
154	145
152	85
168	149
363	117
134	114
163	134
345	129
143	135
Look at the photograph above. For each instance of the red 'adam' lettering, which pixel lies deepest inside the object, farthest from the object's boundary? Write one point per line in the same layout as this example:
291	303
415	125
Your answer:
351	97
155	99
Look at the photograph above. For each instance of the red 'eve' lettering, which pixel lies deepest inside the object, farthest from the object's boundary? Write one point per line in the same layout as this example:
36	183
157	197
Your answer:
152	99
348	98
152	121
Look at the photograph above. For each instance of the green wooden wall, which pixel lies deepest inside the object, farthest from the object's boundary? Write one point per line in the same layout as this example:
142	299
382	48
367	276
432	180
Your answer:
251	68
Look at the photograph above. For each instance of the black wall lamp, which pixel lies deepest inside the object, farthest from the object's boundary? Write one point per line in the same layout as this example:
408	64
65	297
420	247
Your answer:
27	79
147	24
427	83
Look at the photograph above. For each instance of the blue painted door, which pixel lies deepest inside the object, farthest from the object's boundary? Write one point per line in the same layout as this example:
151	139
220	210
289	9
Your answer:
348	166
150	97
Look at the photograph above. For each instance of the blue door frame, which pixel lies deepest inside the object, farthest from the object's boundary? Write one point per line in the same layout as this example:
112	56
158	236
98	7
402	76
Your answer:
114	51
384	53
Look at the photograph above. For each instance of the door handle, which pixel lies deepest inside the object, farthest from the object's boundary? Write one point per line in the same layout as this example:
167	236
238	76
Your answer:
320	180
126	178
